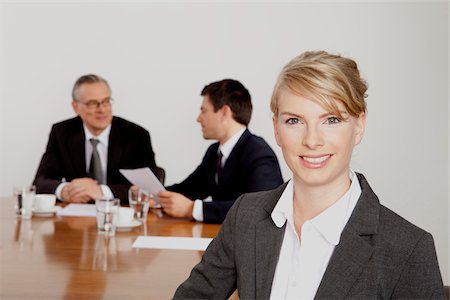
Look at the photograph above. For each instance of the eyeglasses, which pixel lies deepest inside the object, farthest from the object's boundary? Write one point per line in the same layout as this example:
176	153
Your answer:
91	104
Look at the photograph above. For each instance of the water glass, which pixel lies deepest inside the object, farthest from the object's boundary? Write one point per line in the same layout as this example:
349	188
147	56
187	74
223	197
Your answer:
24	200
107	210
139	201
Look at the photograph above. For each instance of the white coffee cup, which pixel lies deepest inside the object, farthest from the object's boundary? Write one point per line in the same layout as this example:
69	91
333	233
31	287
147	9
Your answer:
125	216
44	202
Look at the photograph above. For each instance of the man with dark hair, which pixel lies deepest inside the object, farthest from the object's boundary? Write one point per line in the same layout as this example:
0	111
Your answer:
84	154
238	163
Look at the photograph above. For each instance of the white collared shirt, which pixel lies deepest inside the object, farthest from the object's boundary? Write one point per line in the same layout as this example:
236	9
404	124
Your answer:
225	148
302	263
102	148
228	146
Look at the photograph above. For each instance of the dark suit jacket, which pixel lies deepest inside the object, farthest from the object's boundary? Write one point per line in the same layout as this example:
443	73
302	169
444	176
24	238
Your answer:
380	255
252	166
129	147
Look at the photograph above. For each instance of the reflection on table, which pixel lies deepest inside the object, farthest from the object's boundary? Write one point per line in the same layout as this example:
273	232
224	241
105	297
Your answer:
64	258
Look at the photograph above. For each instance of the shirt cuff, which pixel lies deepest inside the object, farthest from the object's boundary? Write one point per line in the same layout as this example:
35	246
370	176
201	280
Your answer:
106	191
59	190
197	212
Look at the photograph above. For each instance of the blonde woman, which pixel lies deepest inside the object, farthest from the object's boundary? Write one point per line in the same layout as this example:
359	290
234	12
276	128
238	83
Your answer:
324	233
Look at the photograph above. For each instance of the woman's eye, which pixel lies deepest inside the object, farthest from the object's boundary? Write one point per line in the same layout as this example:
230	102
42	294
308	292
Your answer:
333	120
292	121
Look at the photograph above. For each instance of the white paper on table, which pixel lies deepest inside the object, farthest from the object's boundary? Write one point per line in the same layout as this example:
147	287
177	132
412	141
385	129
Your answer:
78	210
145	180
168	242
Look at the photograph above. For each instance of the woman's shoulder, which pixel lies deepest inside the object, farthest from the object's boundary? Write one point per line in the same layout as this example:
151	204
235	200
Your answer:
398	230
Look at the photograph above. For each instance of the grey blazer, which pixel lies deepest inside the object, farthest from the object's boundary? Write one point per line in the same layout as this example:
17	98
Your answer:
380	255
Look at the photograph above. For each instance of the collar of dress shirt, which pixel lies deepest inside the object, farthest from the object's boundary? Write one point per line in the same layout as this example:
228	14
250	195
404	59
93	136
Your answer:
228	146
331	221
284	209
102	137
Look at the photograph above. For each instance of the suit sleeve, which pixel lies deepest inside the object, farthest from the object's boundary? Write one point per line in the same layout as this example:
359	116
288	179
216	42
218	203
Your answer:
264	171
421	278
215	276
193	187
141	156
261	174
49	173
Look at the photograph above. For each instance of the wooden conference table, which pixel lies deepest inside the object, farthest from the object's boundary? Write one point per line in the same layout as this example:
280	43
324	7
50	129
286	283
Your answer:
64	258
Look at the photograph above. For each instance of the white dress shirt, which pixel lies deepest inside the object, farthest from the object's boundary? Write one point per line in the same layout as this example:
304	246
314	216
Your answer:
225	148
302	262
102	149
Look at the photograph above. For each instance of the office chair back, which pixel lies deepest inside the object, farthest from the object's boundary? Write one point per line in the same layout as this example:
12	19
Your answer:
161	174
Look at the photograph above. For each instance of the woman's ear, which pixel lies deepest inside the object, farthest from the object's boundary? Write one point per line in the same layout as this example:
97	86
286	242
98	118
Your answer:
360	127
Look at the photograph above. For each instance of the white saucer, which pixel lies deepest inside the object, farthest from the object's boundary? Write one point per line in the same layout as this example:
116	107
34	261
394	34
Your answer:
46	213
126	227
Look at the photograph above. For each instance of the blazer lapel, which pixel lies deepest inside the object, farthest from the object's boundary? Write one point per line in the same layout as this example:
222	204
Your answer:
114	149
354	250
77	150
211	169
232	160
268	245
345	266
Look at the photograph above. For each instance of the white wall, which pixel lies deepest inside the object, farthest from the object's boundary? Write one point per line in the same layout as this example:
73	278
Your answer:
157	57
448	132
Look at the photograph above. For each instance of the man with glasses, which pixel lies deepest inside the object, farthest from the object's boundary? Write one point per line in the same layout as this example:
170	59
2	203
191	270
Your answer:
84	154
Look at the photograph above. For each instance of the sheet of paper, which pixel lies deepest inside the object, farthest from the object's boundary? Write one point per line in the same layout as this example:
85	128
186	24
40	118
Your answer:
144	179
168	242
79	210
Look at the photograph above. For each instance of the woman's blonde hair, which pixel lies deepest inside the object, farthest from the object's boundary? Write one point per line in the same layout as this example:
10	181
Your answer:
325	78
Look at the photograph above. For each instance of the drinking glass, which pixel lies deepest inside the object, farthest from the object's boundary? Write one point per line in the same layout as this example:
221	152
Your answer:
139	201
107	210
24	200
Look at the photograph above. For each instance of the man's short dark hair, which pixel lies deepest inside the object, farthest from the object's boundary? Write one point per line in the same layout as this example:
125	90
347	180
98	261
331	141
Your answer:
232	93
